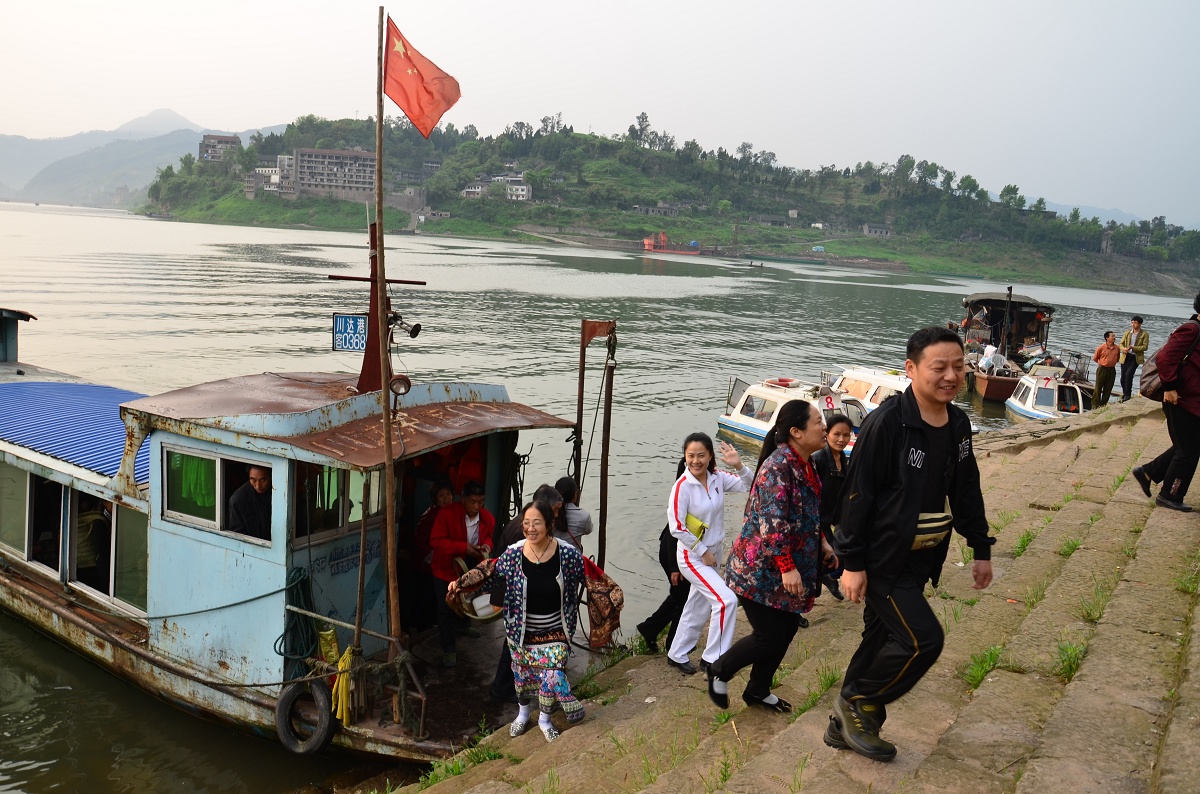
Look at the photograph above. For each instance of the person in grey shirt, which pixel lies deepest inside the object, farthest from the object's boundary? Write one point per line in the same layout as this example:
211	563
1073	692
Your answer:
579	522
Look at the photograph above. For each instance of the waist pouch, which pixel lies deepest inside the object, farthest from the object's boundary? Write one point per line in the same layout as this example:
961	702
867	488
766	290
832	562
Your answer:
932	528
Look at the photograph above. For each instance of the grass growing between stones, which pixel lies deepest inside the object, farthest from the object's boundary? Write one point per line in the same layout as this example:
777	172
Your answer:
797	784
1092	609
1070	656
1190	582
553	785
1003	519
980	665
1023	542
827	676
1034	595
724	769
1069	546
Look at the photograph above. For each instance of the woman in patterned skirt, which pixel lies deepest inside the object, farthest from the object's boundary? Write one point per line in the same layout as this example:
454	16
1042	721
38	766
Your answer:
541	577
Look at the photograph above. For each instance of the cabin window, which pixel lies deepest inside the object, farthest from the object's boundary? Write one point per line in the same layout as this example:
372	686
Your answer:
14	489
855	411
45	521
882	393
327	499
218	493
1045	398
855	388
1068	400
191	491
91	541
130	558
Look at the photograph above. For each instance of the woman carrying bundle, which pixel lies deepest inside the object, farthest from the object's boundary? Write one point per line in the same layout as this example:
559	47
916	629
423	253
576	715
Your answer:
541	577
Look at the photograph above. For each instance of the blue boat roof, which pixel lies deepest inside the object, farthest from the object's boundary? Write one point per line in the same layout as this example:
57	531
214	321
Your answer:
79	423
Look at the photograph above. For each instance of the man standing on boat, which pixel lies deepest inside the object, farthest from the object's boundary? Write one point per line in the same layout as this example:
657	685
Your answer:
1134	344
462	531
1106	369
911	479
250	505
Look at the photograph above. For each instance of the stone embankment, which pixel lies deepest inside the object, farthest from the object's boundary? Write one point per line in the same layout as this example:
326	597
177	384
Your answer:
1075	671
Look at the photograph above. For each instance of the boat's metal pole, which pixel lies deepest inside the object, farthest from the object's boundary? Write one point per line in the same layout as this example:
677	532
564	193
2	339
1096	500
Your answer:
385	369
577	453
610	369
1005	330
362	559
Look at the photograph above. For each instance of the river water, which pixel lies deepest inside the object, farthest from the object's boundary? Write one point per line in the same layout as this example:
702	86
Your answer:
150	306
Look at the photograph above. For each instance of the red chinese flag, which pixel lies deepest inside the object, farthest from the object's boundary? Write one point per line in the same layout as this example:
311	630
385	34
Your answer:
422	90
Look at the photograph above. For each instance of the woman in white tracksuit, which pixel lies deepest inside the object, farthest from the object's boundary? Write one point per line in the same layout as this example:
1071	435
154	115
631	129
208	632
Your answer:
700	493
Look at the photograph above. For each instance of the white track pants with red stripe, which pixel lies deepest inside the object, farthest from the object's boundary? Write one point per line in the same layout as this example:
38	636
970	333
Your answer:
710	597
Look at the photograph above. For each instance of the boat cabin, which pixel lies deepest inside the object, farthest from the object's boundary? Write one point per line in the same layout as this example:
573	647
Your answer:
1006	321
751	408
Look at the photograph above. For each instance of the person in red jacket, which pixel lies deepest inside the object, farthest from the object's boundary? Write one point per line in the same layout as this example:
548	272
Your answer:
1179	367
461	530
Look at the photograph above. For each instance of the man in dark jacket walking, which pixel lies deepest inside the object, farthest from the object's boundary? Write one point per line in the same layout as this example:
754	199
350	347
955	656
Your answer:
911	479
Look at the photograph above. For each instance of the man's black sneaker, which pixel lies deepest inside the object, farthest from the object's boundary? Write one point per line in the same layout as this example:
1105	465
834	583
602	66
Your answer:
859	724
1143	479
833	735
686	667
1171	504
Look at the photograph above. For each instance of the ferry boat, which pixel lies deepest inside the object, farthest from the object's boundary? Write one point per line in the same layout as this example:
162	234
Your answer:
1046	395
119	540
751	408
1015	325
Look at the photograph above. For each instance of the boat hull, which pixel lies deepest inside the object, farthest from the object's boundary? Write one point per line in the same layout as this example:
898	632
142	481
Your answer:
110	644
995	387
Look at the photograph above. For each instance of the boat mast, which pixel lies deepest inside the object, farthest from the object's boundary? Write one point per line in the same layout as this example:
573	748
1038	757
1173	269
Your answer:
1005	330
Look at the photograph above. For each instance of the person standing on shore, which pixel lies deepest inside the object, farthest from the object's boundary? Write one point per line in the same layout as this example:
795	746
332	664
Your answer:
1134	344
911	479
831	462
1179	369
696	515
775	561
1106	356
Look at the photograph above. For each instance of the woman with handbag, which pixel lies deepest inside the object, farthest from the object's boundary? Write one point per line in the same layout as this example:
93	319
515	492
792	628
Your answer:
1179	370
541	577
775	561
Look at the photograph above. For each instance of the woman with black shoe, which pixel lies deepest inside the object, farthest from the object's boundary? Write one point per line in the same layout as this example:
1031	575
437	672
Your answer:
775	561
831	461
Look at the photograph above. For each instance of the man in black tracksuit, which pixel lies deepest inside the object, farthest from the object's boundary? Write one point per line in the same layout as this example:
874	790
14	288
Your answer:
911	479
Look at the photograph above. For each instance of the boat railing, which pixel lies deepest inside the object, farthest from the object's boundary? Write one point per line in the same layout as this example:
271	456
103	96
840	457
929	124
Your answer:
416	694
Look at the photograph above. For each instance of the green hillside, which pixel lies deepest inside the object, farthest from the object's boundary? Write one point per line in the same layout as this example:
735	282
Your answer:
741	200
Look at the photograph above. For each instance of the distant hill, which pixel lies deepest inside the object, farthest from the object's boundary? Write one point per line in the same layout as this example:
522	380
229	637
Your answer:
95	177
155	123
21	157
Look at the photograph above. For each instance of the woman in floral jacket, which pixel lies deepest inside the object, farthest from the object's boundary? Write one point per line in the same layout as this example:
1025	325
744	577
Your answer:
541	578
774	564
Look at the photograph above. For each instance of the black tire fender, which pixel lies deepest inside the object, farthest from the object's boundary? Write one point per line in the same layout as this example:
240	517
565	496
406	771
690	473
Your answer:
289	736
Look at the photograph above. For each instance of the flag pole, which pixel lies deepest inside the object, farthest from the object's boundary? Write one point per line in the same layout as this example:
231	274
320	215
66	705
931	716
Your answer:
385	368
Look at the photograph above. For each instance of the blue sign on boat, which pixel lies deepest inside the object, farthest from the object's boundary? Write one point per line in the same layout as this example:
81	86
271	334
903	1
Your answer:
350	332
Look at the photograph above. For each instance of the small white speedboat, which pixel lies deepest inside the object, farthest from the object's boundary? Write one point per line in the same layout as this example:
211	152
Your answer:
1046	395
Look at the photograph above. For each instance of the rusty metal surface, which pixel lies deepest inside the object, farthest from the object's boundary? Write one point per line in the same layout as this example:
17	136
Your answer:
118	646
422	428
267	393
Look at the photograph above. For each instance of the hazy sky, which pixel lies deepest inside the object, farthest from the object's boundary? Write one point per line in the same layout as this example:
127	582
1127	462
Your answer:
1091	103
